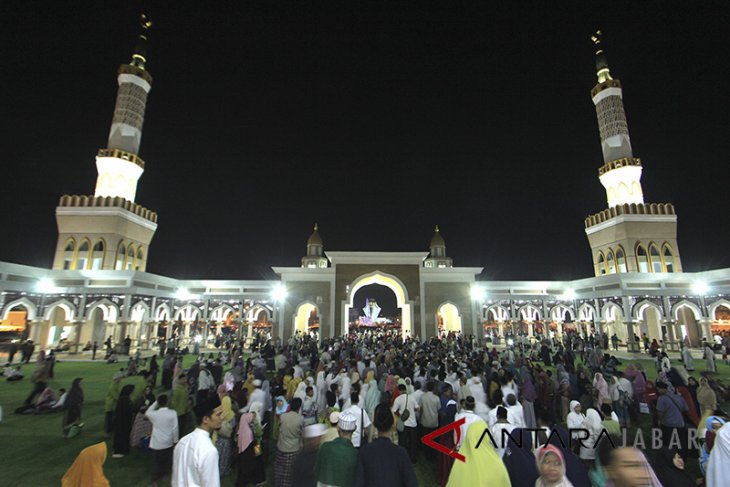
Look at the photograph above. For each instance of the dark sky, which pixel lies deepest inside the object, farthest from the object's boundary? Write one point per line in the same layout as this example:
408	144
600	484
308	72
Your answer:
377	120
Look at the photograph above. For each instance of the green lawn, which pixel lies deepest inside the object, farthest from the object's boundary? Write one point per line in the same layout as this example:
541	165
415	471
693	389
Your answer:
35	454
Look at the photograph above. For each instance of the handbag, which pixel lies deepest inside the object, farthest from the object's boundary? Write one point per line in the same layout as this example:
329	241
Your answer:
401	424
363	435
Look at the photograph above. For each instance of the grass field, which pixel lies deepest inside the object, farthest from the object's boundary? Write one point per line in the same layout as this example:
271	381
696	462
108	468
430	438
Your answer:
35	454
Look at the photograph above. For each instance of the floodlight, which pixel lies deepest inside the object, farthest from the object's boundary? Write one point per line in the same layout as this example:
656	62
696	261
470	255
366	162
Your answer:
700	287
279	293
45	285
477	293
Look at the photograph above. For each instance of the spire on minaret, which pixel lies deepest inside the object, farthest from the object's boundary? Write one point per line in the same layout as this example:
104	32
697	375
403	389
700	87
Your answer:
601	62
119	165
621	171
139	58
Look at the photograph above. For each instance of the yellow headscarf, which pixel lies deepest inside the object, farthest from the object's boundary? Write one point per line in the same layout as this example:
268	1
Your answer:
291	388
482	466
87	470
370	376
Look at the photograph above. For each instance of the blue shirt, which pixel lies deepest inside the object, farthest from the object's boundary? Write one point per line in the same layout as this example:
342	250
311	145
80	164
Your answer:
670	408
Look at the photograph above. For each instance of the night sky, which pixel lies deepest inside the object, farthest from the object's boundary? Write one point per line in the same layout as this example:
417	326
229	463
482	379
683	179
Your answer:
376	120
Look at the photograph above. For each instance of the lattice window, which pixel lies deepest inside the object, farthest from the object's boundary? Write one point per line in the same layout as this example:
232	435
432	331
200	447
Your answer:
611	117
131	102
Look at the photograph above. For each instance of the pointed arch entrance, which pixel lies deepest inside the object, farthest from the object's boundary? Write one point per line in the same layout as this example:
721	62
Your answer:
306	318
448	318
394	284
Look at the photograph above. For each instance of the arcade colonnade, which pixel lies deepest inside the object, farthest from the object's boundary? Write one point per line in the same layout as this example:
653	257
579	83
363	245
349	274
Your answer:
90	305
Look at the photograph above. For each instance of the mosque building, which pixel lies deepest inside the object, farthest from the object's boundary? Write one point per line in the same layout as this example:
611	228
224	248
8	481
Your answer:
98	287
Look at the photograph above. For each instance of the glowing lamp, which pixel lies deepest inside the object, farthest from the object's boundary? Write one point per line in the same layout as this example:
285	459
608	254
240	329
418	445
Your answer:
279	293
700	287
477	293
45	285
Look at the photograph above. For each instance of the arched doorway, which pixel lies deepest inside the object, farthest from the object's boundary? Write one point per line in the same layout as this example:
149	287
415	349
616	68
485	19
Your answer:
60	329
651	321
394	284
306	319
448	319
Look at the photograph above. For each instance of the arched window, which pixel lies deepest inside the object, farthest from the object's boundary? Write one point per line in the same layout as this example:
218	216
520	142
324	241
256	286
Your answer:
642	260
655	258
82	258
610	264
119	260
668	258
138	261
68	254
601	264
621	260
97	255
129	261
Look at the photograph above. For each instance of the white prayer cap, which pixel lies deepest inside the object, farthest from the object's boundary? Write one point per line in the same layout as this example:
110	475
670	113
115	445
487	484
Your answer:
314	430
347	422
257	382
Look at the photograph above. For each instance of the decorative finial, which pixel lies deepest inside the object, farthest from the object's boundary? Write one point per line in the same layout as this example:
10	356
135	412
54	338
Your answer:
316	227
596	37
437	229
601	62
139	58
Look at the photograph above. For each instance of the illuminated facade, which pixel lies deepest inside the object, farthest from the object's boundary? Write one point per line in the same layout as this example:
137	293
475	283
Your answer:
98	285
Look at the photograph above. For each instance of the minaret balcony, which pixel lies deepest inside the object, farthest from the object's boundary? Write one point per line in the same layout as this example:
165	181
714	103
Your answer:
134	70
609	83
618	163
120	154
630	209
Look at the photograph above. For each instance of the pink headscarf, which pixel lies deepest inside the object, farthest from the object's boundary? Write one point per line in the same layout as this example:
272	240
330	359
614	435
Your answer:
245	435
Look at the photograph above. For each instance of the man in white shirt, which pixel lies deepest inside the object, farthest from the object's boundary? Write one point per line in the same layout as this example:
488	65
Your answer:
195	459
164	436
360	418
516	413
467	412
408	438
258	395
497	429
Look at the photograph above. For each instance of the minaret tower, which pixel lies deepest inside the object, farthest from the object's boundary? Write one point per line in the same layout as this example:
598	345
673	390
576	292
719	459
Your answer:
109	231
118	165
315	258
621	171
630	236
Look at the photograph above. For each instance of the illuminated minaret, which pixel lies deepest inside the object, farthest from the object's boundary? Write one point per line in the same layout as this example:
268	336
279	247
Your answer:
118	165
621	171
630	236
109	231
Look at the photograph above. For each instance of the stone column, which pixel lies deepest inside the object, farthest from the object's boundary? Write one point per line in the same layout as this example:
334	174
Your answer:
671	340
631	344
706	330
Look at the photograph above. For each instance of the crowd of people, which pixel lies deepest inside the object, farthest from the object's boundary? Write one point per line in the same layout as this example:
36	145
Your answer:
351	411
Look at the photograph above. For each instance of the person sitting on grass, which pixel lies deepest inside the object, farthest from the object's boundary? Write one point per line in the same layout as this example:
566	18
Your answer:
13	375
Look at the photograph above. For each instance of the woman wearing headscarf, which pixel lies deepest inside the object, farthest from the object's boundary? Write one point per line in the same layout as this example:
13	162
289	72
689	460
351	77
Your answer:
528	398
594	424
222	437
250	459
669	469
123	418
600	390
518	458
574	421
291	388
87	470
710	365
706	396
575	469
551	464
563	390
707	438
282	406
72	406
482	466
